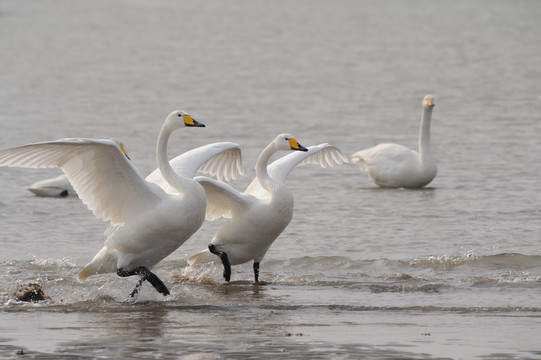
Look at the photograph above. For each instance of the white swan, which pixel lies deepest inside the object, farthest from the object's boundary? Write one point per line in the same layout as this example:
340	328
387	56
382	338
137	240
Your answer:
59	186
147	224
223	160
393	165
263	211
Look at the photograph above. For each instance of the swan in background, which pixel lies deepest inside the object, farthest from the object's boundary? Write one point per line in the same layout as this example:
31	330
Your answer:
263	211
223	161
147	224
60	186
393	165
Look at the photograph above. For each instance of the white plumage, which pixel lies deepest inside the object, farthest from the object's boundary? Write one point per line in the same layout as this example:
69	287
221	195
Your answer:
147	224
263	211
393	165
224	162
59	186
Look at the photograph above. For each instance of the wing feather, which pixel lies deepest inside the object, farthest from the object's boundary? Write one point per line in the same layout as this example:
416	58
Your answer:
212	159
222	199
324	155
104	179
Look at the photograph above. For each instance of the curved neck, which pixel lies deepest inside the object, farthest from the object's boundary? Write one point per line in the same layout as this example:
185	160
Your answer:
167	171
261	167
424	134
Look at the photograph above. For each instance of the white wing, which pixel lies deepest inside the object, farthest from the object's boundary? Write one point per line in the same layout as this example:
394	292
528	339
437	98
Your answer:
324	155
222	199
222	160
105	180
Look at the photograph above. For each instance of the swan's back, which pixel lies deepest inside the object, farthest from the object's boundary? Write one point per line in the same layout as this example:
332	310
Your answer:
394	165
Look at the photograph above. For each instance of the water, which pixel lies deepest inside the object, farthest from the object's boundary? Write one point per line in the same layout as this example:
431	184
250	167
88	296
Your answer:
450	271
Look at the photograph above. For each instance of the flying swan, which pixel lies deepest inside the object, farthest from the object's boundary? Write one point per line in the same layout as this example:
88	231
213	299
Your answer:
146	223
259	214
393	165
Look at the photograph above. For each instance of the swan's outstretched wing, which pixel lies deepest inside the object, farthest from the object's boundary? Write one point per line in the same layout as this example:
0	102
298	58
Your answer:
222	160
105	180
222	199
324	155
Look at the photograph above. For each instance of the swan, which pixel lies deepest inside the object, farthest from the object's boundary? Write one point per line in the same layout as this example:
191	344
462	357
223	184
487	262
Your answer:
60	186
146	223
393	165
259	214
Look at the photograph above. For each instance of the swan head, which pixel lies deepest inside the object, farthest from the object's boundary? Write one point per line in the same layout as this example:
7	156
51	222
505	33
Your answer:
288	142
428	102
180	118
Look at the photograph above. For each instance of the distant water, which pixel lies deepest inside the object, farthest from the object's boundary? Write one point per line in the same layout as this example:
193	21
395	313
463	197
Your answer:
449	271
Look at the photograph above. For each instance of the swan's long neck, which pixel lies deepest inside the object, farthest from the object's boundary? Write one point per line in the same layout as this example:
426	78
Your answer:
167	171
261	168
424	135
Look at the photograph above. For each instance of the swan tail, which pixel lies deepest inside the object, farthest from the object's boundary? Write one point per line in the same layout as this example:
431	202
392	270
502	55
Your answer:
102	263
86	272
357	157
202	257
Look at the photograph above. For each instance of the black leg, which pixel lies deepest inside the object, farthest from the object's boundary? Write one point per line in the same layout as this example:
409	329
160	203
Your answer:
145	274
256	271
225	261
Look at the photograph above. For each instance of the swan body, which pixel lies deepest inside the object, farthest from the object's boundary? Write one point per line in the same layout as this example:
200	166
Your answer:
223	160
147	223
394	165
259	214
58	186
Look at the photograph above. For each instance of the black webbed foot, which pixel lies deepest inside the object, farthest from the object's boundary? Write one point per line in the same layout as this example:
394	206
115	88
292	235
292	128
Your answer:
225	261
145	274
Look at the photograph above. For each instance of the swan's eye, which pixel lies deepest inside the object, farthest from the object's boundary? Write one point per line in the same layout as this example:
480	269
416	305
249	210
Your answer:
179	115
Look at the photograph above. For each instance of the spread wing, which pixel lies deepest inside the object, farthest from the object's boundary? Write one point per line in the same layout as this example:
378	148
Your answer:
222	160
324	155
105	180
222	199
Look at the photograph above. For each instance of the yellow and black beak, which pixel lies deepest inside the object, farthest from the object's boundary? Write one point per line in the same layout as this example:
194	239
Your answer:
190	121
294	144
430	102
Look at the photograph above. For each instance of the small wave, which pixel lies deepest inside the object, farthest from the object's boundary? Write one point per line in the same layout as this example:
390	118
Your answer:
394	288
503	260
38	264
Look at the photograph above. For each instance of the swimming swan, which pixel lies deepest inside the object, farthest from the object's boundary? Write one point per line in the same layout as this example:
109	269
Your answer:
224	162
58	186
393	165
263	211
147	224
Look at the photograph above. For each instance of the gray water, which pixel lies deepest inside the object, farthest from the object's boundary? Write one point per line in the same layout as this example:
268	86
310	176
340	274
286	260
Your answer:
449	271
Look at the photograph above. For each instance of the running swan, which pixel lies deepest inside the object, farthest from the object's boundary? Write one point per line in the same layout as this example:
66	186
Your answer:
263	211
147	224
393	165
